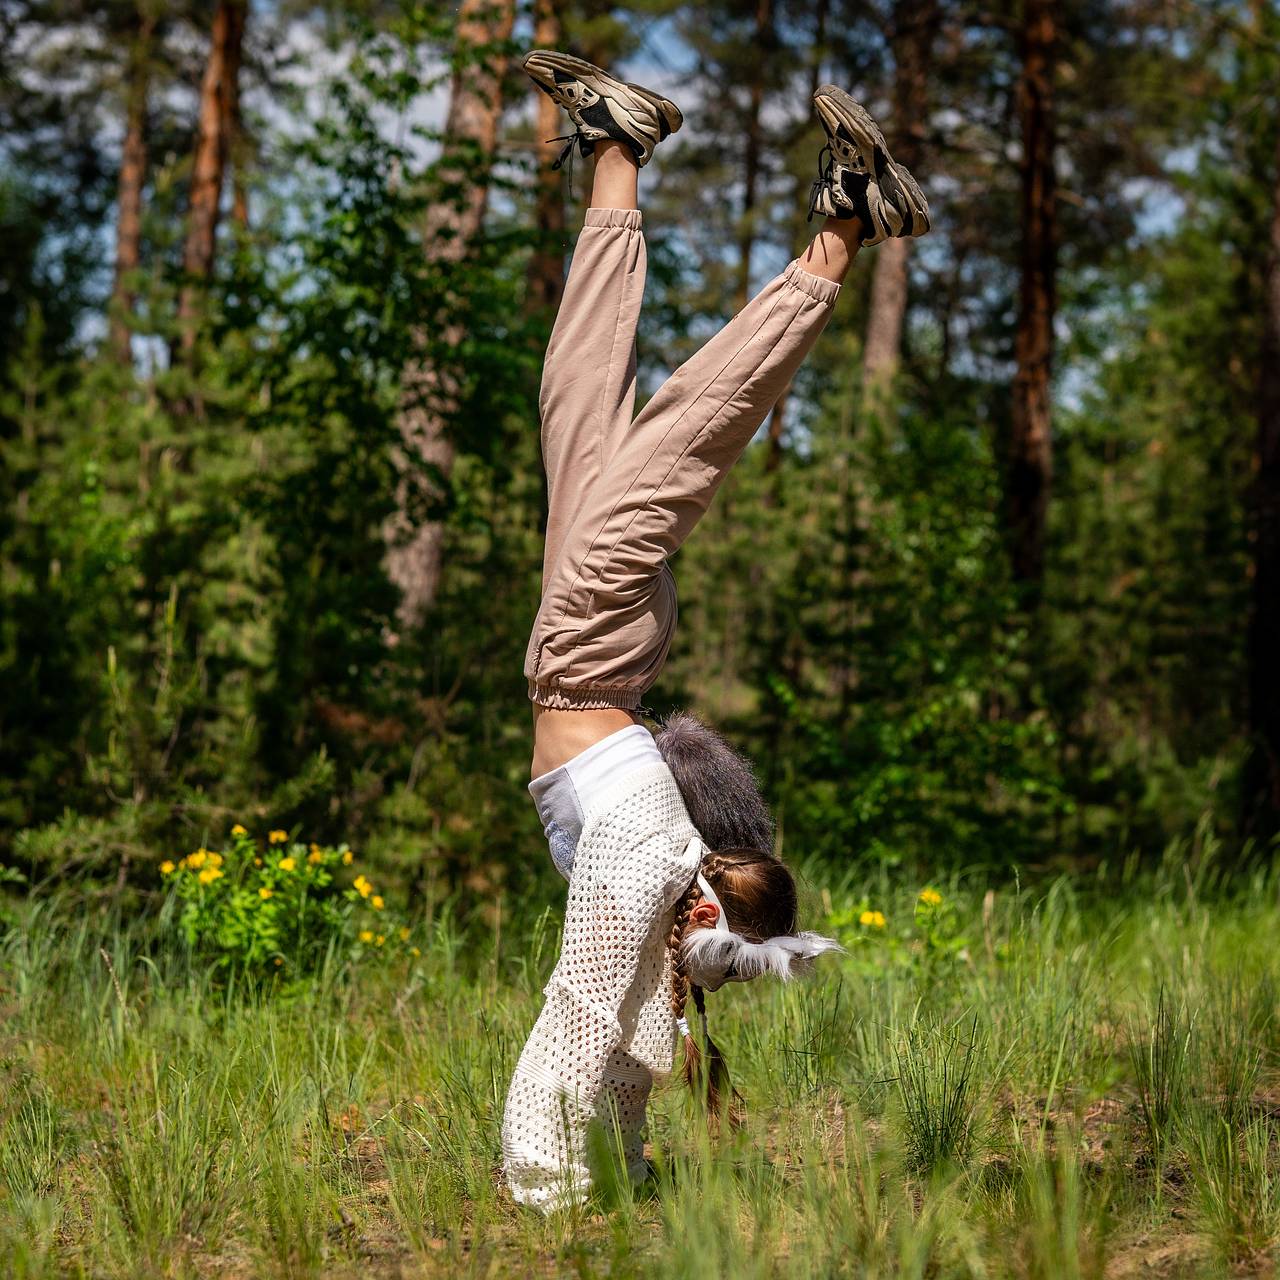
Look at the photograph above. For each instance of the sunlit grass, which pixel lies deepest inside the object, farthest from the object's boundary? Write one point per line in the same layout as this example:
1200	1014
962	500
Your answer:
1075	1079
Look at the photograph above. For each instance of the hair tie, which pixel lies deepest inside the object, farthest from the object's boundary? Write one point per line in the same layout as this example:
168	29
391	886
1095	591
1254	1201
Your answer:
682	1025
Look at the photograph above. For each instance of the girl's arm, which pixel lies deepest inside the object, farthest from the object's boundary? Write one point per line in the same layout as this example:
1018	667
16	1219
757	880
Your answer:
621	894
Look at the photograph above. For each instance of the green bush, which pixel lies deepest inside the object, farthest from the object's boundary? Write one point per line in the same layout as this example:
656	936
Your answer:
255	910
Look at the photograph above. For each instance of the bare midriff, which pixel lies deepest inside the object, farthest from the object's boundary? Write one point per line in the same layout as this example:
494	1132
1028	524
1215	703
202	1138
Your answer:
558	735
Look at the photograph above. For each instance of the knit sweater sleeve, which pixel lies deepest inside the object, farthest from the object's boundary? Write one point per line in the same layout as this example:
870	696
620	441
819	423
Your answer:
634	860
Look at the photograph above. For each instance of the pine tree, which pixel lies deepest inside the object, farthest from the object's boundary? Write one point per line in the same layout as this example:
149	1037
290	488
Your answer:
218	88
1031	440
133	176
415	544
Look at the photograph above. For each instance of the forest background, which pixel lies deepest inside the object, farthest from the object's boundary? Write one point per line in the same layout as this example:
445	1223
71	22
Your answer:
998	584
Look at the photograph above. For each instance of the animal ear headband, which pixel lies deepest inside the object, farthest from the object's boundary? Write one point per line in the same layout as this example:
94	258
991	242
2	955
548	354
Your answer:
716	956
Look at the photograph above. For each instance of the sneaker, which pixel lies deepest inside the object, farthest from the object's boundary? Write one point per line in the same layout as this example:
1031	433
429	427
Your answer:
600	106
859	179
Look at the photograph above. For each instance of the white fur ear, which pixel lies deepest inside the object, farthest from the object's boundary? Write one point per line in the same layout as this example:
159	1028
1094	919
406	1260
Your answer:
713	958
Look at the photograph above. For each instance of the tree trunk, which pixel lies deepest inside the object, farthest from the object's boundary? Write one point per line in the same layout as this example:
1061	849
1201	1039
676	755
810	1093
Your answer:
133	172
915	25
217	89
428	395
778	418
753	148
1030	455
1262	777
237	143
546	267
133	176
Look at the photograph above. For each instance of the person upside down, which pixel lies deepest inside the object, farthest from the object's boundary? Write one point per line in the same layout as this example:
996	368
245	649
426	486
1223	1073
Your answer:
666	843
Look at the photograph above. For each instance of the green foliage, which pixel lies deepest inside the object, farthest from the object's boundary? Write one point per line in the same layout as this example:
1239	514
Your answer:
938	1071
1237	1189
195	617
284	908
156	1121
1159	1053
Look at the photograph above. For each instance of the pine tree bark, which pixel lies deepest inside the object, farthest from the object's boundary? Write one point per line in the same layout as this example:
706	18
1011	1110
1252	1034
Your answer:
237	148
217	88
777	430
1262	774
428	394
1030	470
133	177
915	25
546	267
752	152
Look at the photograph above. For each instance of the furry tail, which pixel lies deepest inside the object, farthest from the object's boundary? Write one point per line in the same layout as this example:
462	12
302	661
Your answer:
718	785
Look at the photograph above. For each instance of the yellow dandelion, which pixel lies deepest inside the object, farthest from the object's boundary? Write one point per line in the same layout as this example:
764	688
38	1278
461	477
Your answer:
257	862
348	858
215	859
238	830
380	939
264	893
404	933
362	886
315	856
377	902
872	919
209	875
288	864
278	837
196	860
930	897
415	951
166	868
366	935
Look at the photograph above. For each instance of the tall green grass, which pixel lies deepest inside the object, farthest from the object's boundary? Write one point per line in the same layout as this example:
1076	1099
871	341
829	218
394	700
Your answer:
1077	1079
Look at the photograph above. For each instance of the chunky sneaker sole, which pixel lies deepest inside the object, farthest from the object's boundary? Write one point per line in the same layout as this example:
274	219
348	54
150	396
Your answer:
860	179
601	107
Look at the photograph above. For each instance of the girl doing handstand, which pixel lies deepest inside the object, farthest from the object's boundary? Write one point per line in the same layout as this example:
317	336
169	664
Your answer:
673	888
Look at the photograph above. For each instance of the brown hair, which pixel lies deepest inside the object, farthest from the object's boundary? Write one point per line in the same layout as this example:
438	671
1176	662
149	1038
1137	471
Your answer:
758	894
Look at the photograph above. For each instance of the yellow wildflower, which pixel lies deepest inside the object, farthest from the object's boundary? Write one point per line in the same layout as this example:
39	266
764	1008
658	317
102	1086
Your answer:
404	933
196	860
873	919
362	886
215	859
264	893
377	902
380	939
366	935
315	856
238	830
930	897
288	864
166	868
279	962
209	875
278	837
348	858
257	862
415	951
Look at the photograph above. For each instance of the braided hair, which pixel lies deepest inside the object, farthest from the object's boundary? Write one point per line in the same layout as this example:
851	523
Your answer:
755	888
758	894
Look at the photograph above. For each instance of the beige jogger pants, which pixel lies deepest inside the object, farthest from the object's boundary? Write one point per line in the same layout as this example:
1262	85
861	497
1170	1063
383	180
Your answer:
624	494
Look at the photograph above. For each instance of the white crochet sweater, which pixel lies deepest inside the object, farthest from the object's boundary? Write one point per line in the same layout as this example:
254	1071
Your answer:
606	1030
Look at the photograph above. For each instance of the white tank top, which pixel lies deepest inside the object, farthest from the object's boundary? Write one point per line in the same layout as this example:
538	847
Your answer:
565	794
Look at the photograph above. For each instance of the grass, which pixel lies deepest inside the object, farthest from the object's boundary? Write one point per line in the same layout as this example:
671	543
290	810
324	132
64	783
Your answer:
1074	1079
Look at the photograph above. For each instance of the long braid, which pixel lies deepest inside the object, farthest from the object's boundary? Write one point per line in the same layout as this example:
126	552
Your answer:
680	977
715	1077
